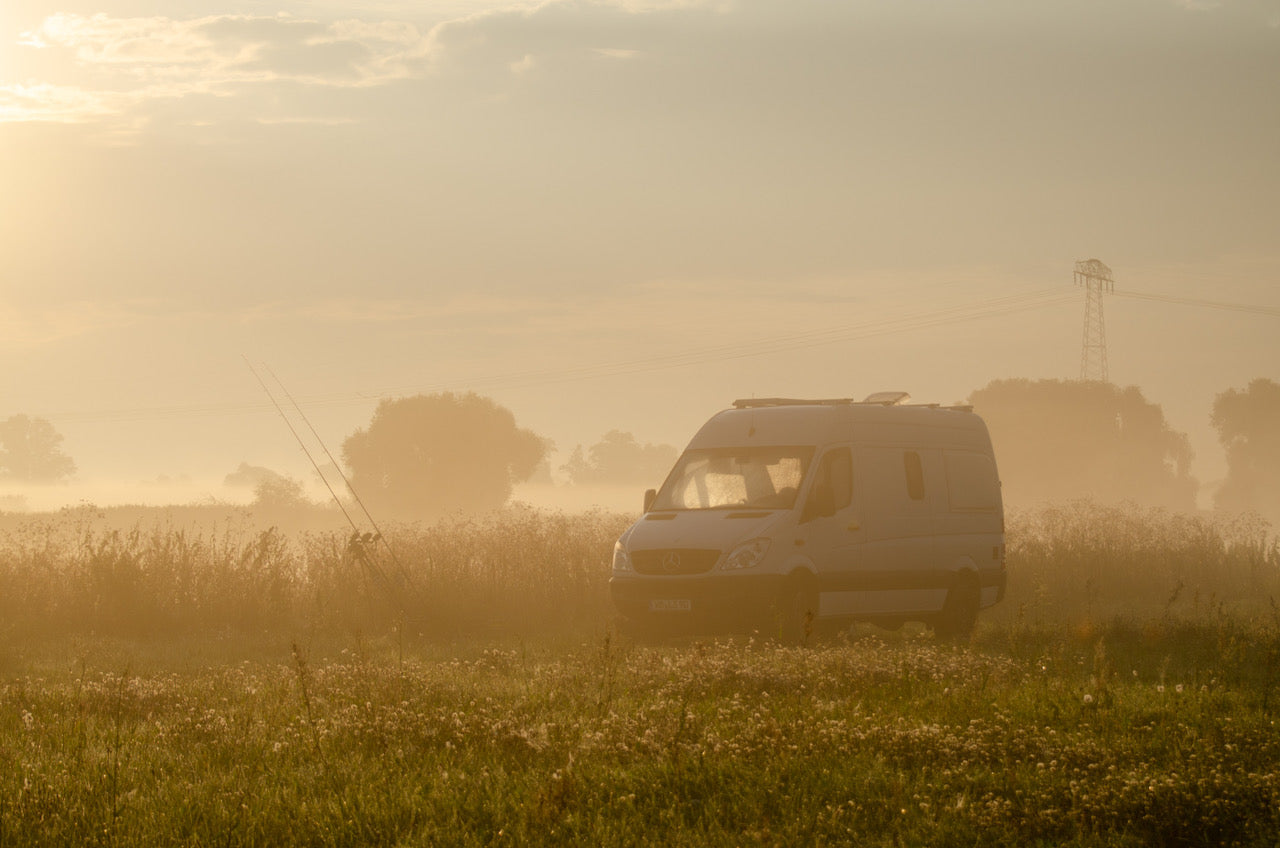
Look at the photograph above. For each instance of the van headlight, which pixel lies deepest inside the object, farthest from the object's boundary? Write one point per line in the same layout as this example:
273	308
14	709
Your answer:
746	555
621	560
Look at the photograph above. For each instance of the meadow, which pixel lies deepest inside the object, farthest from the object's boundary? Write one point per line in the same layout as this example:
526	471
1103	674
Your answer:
235	684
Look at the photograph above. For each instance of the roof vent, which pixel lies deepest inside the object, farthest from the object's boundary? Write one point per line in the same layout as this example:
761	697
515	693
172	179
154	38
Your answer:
887	398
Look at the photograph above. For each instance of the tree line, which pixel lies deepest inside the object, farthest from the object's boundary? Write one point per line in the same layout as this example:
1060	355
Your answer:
1062	439
434	454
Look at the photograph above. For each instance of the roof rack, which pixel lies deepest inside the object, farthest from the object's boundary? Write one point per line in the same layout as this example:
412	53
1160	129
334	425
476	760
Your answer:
875	399
751	403
951	407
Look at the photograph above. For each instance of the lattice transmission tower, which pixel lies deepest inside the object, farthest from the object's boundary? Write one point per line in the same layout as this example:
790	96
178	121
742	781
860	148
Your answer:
1096	279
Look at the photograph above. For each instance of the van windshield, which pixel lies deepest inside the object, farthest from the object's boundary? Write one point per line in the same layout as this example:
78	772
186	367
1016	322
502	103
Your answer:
729	478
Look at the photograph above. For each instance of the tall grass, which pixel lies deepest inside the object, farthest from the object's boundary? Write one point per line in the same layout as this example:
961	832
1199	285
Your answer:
1083	563
517	570
1100	705
528	571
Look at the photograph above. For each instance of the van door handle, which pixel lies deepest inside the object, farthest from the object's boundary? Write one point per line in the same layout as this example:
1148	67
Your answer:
852	526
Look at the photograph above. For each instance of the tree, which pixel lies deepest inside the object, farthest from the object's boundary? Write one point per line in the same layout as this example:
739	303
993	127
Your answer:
619	459
1058	439
30	451
248	476
1248	425
280	492
428	455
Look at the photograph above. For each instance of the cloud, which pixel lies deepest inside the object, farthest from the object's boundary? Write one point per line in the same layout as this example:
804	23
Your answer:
508	37
131	61
122	64
224	49
750	48
525	64
584	144
47	102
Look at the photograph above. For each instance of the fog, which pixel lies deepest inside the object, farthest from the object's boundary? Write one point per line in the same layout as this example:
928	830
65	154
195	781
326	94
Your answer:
613	216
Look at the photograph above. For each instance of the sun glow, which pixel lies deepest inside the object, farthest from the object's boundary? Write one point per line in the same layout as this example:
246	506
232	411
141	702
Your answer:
46	102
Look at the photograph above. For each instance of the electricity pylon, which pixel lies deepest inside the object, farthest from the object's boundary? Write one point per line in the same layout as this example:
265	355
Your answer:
1096	279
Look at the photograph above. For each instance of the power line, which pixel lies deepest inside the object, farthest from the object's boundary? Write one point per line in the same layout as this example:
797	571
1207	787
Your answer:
738	350
1273	311
914	321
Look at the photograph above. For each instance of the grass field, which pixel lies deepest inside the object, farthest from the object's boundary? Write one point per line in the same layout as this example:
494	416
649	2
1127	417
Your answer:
235	686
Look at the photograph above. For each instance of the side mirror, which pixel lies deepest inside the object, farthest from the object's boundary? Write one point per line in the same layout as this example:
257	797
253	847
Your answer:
650	495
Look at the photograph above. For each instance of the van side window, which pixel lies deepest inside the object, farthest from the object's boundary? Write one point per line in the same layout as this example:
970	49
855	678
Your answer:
915	475
840	472
832	488
972	484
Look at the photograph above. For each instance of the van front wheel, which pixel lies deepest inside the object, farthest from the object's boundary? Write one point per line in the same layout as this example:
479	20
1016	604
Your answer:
798	610
960	611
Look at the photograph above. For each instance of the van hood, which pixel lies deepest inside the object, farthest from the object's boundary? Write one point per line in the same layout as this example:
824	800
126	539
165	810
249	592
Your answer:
721	529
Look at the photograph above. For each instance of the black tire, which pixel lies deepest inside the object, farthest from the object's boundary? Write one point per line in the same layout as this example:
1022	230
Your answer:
640	632
798	611
960	611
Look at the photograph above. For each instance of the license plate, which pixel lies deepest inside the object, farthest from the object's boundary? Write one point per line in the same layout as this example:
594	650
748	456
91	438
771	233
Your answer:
671	606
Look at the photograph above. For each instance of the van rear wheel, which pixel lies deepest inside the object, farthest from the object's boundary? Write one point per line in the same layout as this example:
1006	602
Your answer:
959	613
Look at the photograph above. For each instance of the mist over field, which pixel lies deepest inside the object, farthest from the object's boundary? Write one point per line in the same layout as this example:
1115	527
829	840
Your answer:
614	216
1055	441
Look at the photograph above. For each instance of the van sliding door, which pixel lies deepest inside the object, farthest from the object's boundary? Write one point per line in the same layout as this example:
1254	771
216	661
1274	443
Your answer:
896	489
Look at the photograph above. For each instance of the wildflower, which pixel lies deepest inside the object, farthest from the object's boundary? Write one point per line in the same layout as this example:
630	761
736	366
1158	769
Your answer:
1178	688
1088	699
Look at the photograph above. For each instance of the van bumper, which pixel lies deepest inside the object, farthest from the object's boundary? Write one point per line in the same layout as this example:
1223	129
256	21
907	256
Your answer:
677	605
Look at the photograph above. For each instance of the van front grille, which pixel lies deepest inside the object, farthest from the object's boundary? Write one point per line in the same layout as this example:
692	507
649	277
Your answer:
674	561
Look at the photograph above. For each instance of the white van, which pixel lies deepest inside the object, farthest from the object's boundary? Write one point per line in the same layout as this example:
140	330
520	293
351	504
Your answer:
793	516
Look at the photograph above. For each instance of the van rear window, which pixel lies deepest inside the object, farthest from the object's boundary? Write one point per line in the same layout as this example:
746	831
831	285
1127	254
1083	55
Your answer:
971	481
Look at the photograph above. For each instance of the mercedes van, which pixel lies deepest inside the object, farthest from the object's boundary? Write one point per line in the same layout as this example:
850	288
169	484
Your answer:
792	517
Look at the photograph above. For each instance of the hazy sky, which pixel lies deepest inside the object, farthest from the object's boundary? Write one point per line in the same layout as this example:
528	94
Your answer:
616	214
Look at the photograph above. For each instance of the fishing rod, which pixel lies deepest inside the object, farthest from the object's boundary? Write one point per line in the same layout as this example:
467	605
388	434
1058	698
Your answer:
357	540
380	536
